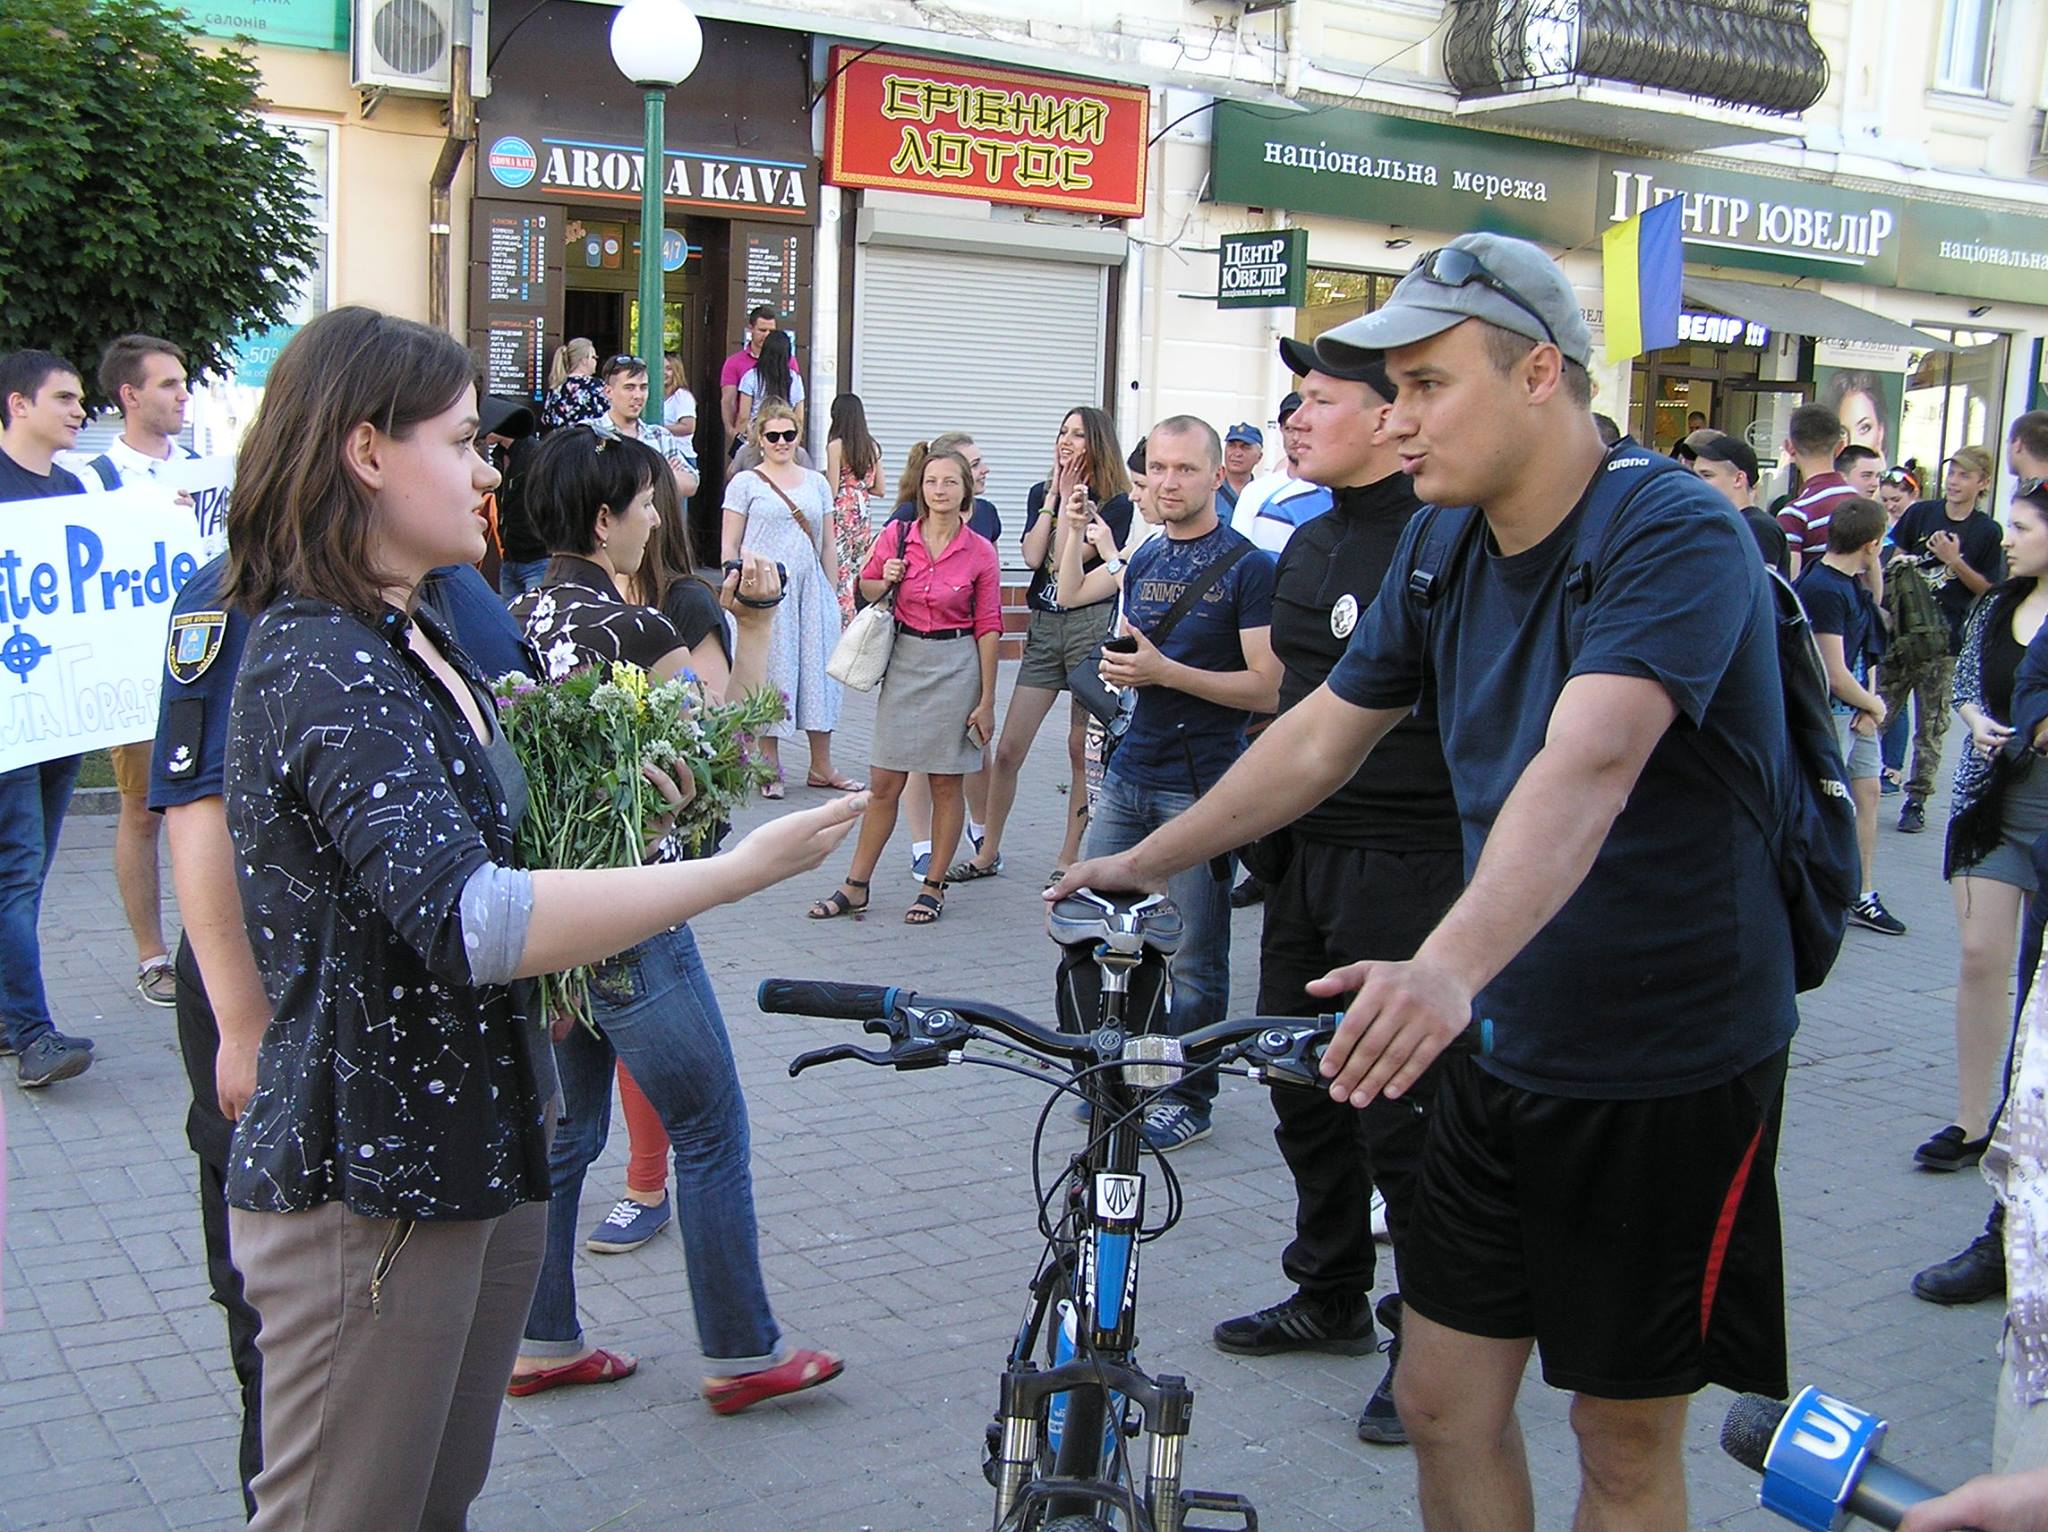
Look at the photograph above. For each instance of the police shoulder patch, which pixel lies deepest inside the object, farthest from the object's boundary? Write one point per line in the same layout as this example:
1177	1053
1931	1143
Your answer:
194	644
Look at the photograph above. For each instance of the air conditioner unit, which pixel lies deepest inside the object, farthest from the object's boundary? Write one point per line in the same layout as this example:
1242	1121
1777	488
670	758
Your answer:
402	45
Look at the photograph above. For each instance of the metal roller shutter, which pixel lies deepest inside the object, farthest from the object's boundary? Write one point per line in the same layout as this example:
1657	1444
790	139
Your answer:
998	346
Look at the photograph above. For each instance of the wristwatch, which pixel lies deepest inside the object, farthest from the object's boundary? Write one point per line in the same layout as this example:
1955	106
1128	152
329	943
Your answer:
1113	563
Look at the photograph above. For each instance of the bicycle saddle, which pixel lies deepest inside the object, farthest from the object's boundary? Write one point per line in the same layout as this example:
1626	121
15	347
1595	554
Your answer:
1123	922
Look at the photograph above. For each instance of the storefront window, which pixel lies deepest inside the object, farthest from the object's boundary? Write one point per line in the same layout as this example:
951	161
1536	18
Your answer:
1336	296
1683	388
1955	398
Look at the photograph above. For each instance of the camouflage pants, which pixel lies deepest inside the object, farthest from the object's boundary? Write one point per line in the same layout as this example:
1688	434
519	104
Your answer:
1929	688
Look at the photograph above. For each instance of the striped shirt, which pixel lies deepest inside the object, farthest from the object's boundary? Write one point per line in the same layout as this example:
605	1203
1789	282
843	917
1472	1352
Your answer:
1805	519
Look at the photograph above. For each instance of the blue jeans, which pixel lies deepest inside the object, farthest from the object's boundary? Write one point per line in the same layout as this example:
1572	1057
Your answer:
32	804
518	576
1125	814
1898	733
657	1014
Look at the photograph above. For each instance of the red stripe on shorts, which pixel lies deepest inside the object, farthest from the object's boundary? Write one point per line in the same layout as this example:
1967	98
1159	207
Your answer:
1724	1229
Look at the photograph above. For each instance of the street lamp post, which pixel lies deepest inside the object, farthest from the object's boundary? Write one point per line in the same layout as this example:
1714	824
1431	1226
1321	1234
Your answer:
656	45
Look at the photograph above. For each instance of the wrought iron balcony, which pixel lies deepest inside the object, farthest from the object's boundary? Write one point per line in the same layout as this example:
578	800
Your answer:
1752	55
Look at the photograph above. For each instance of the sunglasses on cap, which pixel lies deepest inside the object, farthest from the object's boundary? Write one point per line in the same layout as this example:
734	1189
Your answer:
623	361
779	436
1899	478
1455	267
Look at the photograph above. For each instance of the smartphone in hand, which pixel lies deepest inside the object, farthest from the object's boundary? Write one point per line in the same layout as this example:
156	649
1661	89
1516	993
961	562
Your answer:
975	737
1123	643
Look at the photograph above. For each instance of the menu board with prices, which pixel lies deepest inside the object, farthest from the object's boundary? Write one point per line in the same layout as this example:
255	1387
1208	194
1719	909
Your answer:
515	293
769	269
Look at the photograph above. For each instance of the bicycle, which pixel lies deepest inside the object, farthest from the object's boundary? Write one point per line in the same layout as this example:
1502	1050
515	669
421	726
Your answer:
1057	1454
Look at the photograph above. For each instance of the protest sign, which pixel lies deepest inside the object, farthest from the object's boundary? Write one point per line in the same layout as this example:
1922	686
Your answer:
86	584
208	480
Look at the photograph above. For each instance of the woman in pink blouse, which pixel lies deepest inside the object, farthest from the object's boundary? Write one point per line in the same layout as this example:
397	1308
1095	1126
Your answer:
938	701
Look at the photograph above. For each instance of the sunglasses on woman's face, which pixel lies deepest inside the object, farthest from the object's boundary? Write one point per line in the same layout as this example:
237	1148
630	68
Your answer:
778	436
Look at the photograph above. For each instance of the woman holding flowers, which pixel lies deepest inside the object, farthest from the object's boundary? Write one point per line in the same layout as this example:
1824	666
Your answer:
389	1173
938	703
650	1008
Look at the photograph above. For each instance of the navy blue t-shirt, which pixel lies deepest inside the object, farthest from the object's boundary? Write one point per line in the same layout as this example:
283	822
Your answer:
1670	968
1116	513
189	759
1836	603
1208	639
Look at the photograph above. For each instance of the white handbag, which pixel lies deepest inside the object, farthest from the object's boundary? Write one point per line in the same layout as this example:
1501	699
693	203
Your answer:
861	657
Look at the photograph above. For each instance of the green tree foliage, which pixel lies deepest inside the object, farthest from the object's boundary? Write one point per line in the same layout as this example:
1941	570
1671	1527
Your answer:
139	189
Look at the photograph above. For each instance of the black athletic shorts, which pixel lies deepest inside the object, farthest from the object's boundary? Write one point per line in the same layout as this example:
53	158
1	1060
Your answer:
1637	1241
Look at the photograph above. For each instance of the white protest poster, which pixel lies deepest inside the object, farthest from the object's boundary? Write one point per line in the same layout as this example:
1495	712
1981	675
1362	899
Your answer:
208	480
86	584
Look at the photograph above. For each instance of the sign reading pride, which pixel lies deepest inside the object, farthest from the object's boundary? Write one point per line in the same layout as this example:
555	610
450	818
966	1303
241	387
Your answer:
86	585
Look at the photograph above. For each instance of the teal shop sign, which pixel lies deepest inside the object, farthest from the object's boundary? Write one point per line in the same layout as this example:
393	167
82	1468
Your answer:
256	353
294	23
1428	175
1265	270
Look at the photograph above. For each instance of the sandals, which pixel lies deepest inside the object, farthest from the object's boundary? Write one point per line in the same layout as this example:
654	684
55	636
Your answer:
926	908
601	1366
837	903
806	1369
837	782
772	788
969	870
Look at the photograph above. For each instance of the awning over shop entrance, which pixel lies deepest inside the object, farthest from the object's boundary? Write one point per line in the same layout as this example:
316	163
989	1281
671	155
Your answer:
1800	312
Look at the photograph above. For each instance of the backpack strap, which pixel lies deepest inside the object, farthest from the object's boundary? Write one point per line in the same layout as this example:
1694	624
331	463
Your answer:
109	475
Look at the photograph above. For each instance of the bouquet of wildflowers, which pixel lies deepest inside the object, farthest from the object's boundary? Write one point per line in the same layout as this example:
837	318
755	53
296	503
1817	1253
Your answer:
583	741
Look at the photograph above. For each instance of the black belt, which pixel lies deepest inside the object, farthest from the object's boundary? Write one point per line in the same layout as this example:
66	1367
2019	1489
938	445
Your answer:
936	633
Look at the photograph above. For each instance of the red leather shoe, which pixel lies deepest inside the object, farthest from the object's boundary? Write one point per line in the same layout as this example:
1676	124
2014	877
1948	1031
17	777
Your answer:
806	1369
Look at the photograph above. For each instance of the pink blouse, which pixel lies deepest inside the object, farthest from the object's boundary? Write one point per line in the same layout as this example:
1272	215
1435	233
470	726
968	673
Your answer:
962	588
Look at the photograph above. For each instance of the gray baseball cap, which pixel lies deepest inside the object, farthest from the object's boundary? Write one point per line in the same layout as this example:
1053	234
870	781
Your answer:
1426	304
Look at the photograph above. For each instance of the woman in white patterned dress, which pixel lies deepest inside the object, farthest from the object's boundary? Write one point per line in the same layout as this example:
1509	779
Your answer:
783	511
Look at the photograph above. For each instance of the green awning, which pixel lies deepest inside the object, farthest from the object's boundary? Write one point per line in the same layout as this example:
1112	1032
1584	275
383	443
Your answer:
1798	311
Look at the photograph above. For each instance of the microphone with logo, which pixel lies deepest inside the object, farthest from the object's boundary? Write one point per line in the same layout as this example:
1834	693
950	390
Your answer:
1818	1457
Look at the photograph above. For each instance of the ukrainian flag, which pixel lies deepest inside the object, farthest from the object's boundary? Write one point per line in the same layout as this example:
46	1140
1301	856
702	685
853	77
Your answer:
1642	261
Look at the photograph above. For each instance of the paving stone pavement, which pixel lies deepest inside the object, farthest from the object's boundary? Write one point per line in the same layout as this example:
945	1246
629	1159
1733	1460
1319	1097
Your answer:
897	1228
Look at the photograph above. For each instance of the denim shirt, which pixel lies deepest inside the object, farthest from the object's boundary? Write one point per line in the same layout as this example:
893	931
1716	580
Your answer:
360	802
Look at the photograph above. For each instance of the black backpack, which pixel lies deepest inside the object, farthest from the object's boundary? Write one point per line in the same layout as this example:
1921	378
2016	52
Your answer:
1812	834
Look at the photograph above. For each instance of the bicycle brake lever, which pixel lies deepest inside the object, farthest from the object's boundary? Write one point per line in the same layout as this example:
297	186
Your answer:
834	1054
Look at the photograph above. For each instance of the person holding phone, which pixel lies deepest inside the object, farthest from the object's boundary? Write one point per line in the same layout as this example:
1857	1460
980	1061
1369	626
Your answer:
937	706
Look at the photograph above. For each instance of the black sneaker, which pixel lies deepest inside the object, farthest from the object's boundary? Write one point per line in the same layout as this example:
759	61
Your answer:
50	1058
1301	1323
1949	1150
1869	912
1379	1422
1248	893
1912	818
1975	1274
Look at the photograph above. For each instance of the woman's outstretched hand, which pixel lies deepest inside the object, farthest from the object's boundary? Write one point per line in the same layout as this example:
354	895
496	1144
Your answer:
795	843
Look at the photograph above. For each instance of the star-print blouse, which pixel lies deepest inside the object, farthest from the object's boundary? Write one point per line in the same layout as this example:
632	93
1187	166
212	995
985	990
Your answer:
361	801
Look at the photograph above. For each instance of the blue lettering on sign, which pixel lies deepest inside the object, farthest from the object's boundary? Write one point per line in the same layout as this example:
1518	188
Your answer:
90	586
1816	1454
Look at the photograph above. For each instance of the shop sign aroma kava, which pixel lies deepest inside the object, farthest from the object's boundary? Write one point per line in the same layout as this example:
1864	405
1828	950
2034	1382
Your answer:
1353	164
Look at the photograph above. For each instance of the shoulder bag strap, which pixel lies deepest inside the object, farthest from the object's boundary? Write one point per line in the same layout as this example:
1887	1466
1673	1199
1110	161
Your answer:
794	509
1195	590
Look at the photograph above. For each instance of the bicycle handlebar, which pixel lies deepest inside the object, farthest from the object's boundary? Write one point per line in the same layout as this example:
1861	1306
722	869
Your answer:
923	1028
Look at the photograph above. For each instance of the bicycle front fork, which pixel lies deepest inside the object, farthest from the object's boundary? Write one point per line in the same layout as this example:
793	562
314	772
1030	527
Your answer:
1168	1404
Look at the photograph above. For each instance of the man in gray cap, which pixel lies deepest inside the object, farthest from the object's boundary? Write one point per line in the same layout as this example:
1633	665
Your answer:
1600	1186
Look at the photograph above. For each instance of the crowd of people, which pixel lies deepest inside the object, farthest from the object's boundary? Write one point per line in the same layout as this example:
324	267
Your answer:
1507	656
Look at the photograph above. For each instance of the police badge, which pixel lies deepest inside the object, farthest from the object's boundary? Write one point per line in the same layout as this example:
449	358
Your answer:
1344	615
194	645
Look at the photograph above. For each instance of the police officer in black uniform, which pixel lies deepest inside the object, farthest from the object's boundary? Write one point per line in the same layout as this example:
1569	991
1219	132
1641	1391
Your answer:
1366	874
216	969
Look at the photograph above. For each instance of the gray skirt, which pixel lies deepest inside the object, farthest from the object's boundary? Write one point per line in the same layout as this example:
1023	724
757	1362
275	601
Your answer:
932	684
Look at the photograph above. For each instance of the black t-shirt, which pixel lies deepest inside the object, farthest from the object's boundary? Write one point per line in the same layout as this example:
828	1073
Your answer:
1330	571
1116	511
19	483
1770	539
516	530
1669	969
694	610
1983	549
1999	667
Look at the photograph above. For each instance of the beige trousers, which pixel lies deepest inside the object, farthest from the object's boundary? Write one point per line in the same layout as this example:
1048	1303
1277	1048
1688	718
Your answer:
382	1414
